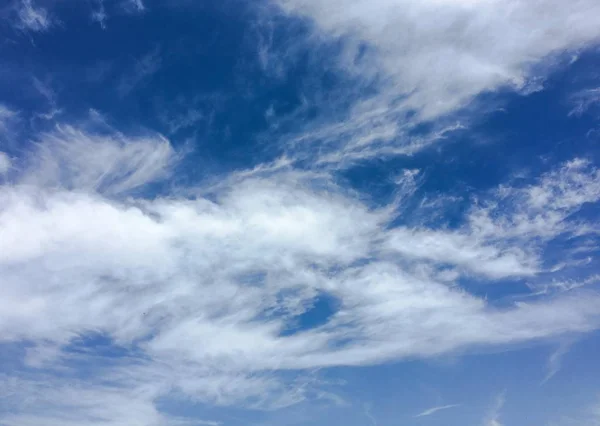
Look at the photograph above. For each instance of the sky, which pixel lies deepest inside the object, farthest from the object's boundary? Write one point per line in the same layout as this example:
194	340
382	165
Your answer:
299	212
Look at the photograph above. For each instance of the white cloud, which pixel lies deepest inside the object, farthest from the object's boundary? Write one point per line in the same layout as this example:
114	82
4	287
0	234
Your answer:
433	58
32	17
73	159
99	15
369	415
72	402
555	360
184	121
442	53
505	233
434	410
540	210
9	120
5	163
589	415
584	100
137	5
493	417
6	116
47	92
201	288
142	70
463	250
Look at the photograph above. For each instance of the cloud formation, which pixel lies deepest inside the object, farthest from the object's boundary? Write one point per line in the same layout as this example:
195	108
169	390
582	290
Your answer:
32	17
199	291
68	158
413	61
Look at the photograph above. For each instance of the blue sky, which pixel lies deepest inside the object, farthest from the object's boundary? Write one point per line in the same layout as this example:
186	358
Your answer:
299	212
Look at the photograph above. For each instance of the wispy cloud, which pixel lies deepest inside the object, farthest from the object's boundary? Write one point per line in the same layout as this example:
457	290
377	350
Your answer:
142	70
48	93
434	410
99	14
134	5
5	163
9	126
181	122
154	274
369	414
589	414
73	159
198	285
555	360
583	100
6	116
493	416
32	17
73	402
405	67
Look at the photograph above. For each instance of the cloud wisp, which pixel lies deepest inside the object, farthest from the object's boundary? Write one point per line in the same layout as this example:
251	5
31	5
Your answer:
32	17
434	410
493	417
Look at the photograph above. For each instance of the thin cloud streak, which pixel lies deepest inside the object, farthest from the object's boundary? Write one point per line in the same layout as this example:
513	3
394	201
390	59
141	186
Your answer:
434	410
555	360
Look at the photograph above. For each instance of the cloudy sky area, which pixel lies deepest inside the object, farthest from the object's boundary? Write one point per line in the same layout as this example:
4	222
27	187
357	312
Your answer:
299	212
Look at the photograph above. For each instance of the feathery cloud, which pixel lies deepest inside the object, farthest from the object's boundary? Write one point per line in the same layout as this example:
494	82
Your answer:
32	17
200	290
412	61
5	163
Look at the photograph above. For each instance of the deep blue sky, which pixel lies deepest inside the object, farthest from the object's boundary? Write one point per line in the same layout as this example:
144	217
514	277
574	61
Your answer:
299	212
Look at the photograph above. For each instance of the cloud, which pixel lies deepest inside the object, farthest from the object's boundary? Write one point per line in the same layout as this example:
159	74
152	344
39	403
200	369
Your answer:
32	17
99	15
68	401
434	410
463	250
369	414
5	163
555	360
478	46
540	210
6	116
199	290
587	415
73	159
198	287
188	119
493	417
142	71
505	231
583	100
410	61
45	90
138	5
9	127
